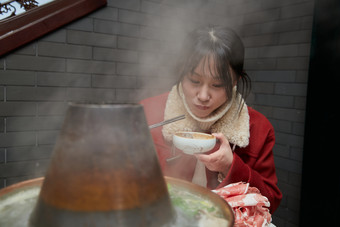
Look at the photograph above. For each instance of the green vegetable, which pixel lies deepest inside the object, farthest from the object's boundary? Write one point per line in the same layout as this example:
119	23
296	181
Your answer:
191	204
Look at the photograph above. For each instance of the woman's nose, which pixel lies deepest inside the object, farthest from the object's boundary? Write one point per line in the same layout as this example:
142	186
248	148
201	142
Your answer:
203	94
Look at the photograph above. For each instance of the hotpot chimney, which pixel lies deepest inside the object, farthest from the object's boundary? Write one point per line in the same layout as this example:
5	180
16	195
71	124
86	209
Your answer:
104	171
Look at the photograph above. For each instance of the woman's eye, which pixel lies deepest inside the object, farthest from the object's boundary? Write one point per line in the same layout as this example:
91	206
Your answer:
194	81
218	85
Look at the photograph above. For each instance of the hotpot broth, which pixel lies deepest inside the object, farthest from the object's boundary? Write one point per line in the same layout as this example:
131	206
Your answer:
118	161
193	205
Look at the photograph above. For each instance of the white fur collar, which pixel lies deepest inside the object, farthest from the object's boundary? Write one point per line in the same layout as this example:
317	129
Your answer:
234	125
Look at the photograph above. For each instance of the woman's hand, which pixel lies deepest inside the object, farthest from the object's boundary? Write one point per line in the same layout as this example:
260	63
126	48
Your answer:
220	160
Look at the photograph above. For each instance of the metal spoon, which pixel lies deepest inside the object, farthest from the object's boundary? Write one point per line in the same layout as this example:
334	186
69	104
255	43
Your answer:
167	121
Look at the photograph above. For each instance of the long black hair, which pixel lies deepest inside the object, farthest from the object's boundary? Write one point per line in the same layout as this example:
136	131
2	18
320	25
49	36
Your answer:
225	48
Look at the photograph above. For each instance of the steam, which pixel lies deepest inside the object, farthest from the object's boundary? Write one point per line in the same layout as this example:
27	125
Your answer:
177	18
156	49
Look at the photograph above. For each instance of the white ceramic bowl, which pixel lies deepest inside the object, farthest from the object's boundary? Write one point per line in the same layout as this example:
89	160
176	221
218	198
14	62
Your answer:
194	142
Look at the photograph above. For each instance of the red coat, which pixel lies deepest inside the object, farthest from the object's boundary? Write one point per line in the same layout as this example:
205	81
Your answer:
253	164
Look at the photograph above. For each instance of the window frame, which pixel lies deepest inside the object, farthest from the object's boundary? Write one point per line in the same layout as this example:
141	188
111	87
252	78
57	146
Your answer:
24	28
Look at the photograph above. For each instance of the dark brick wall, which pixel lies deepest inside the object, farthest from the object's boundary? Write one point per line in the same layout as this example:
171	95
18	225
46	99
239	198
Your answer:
125	52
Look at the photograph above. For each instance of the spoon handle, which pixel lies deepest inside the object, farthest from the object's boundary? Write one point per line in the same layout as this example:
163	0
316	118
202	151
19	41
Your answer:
167	121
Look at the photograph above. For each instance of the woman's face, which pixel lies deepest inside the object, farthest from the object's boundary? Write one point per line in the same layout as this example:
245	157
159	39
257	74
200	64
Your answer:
203	92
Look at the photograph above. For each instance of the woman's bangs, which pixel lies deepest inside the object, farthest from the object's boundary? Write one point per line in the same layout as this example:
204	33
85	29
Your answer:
218	68
208	65
193	61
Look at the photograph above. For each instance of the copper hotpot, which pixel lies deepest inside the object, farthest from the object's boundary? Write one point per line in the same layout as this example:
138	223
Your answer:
104	171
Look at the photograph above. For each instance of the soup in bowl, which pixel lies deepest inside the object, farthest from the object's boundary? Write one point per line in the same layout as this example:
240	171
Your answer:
194	142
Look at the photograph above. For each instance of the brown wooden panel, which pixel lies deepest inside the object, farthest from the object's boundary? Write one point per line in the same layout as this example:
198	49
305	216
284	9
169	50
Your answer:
24	28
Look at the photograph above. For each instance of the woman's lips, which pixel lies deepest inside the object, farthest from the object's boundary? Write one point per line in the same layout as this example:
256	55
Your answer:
200	107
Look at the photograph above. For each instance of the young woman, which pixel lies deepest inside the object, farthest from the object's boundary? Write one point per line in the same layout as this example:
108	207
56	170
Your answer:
210	90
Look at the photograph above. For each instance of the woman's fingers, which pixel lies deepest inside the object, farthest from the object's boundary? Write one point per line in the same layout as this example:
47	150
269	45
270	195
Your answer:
221	138
219	160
